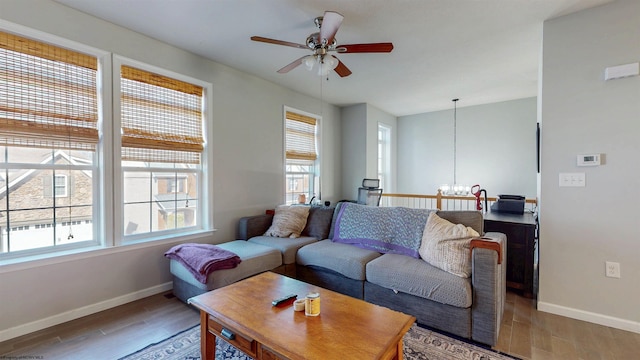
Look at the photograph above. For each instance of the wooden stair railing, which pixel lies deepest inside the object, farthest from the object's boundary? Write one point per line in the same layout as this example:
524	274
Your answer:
439	197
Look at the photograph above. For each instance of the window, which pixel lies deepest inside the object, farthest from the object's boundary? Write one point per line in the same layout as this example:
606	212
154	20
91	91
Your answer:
60	185
302	166
384	156
58	163
162	145
48	136
176	185
57	185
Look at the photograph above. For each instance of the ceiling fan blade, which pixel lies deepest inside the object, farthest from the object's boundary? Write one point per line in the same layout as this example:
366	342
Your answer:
342	69
291	66
365	48
278	42
330	23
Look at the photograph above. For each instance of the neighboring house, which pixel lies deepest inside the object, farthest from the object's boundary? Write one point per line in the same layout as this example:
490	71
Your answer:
159	201
173	203
55	208
176	200
297	183
52	207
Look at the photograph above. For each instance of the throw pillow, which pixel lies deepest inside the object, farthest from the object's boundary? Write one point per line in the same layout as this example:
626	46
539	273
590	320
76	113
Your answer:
288	221
319	222
446	245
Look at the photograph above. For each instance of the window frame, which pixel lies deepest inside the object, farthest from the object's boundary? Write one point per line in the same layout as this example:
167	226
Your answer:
100	192
105	166
315	180
64	186
204	185
33	170
384	156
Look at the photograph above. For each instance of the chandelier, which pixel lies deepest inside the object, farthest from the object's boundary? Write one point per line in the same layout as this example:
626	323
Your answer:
454	188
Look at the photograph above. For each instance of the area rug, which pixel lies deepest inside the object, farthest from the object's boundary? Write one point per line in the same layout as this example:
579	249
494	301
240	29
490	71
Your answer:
419	344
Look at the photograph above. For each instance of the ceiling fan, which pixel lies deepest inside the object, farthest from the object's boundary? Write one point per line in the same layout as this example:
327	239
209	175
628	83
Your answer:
323	42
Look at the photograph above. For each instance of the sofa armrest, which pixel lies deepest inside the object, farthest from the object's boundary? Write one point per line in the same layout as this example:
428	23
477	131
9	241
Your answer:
488	243
251	226
488	279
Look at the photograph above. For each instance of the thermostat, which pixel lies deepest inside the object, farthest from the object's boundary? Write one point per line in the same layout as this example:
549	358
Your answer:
589	160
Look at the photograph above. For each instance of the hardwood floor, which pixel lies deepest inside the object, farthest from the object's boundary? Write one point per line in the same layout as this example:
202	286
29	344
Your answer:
111	334
530	334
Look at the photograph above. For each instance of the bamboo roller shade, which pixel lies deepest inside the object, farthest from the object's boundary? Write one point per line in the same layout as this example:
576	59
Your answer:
300	137
48	95
160	113
46	51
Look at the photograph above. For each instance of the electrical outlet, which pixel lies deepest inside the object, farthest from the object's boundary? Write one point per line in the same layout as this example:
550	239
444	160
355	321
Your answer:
612	269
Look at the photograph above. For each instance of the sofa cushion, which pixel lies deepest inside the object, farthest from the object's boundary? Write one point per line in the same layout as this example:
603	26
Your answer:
472	218
287	246
396	230
416	277
256	258
345	259
446	245
318	222
288	221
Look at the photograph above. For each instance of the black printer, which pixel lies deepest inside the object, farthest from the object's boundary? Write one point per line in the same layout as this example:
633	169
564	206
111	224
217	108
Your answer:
512	204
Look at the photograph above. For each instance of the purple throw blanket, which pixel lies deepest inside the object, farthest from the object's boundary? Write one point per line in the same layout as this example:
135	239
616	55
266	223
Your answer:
202	259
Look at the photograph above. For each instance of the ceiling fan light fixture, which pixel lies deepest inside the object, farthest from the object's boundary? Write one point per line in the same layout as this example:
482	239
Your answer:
309	61
331	61
327	63
323	70
323	42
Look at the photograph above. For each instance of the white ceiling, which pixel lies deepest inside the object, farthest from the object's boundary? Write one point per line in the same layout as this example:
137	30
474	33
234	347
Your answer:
480	51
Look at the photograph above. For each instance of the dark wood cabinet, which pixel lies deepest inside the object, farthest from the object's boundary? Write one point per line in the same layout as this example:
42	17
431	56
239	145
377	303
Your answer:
522	260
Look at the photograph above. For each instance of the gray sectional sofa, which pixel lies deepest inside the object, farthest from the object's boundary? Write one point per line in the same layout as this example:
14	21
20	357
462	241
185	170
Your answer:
467	307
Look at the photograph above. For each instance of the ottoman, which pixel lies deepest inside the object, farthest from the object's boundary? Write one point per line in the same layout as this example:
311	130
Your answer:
256	258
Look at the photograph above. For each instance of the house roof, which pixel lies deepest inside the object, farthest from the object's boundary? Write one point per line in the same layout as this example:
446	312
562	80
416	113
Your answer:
18	176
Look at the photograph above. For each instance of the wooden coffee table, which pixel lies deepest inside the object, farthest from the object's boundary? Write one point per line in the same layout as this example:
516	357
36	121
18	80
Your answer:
242	314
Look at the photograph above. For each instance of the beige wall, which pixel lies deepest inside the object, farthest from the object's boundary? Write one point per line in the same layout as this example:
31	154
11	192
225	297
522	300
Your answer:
582	227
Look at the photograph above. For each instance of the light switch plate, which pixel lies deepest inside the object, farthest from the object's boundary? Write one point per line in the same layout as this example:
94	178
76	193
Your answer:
572	180
622	71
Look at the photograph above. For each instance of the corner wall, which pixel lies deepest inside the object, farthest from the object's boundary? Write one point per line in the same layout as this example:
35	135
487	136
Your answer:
582	227
360	145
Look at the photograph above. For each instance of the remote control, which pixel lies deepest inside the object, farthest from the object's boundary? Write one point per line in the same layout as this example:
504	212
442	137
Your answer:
285	300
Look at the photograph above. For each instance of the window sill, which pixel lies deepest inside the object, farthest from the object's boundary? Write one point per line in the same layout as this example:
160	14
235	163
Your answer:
34	261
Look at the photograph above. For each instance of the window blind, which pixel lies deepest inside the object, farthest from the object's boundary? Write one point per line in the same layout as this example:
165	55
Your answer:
48	95
161	118
300	137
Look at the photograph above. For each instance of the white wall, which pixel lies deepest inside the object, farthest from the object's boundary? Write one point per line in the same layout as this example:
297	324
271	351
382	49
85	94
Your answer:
360	145
354	145
248	174
375	117
496	148
583	227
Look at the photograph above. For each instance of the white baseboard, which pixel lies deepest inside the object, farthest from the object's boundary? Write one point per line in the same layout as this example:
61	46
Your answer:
80	312
595	318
